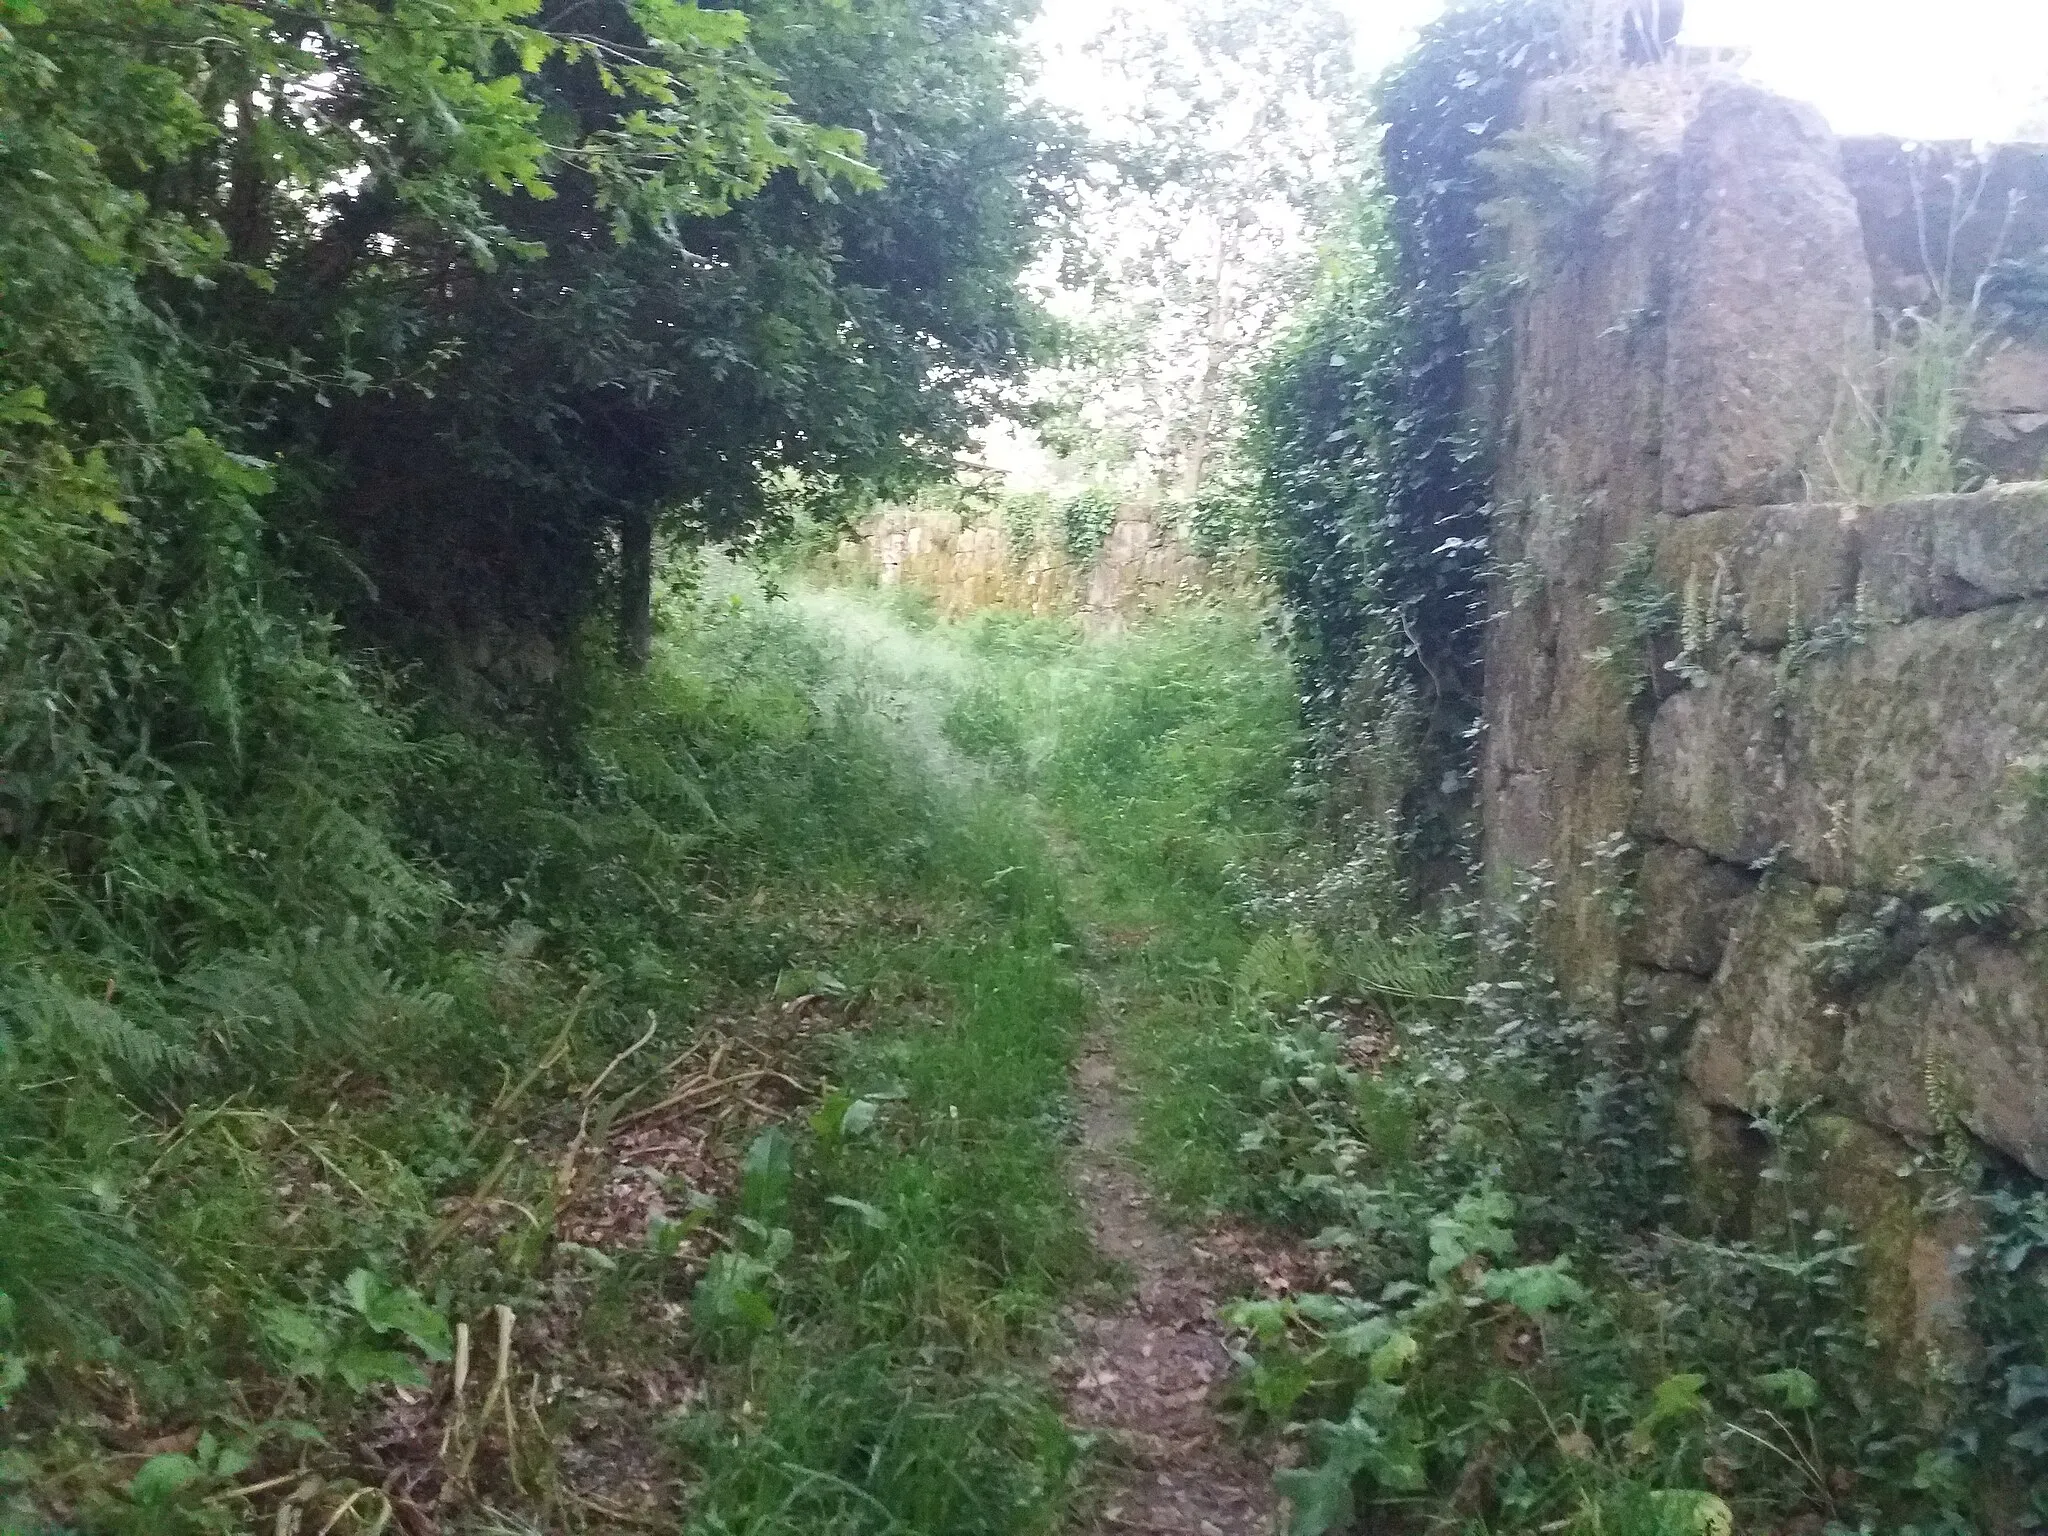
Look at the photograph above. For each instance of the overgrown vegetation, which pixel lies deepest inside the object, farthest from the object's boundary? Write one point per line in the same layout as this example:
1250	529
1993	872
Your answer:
1371	479
320	970
451	1077
1899	432
1528	1318
227	1253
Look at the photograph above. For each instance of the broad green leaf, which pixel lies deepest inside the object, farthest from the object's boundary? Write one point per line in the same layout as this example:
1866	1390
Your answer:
1330	1311
1477	1225
860	1117
870	1216
1321	1497
300	1338
398	1309
163	1478
1276	1385
729	1295
766	1175
1676	1398
1394	1356
830	1115
1792	1387
1535	1288
360	1366
1266	1320
1362	1338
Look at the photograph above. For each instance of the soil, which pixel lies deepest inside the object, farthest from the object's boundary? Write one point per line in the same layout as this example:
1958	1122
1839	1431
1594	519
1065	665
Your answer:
1145	1373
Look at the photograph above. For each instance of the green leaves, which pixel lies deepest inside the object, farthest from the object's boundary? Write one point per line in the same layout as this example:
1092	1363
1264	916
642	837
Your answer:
395	1309
765	1177
1792	1387
1477	1226
358	1344
25	408
1373	1444
732	1297
167	1478
1677	1400
13	1366
842	1117
1537	1288
163	1478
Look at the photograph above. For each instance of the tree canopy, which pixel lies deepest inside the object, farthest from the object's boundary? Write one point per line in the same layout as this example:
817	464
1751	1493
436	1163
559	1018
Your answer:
482	290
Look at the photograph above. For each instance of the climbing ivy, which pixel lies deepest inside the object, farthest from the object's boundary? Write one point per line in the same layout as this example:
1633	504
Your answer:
1319	443
1085	520
1372	475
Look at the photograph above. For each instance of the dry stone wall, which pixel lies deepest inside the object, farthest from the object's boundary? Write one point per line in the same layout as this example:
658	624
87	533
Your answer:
1754	733
971	563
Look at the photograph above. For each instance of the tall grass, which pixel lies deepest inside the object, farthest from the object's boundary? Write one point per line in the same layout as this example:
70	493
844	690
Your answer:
1899	432
270	1023
1532	1322
1170	755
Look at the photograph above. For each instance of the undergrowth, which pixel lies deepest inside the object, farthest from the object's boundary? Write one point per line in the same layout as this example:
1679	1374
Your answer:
315	1045
1528	1319
657	1115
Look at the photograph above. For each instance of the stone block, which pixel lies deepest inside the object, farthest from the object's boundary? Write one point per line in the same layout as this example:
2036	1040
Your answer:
1764	572
2007	435
1947	555
1915	1267
1661	1007
1896	747
1963	1031
1687	902
1903	746
1715	775
1725	1159
1770	308
1767	1033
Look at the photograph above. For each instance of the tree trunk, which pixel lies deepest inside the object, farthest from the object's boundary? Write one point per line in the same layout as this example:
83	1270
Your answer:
636	589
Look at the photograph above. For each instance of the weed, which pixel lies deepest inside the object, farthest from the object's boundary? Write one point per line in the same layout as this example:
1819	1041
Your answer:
1900	434
1085	521
1638	611
1965	892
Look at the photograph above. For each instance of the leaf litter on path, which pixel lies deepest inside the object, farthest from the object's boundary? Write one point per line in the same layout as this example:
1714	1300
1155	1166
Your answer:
1144	1373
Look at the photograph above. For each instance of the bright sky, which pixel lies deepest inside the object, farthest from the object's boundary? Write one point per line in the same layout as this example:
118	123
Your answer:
1968	69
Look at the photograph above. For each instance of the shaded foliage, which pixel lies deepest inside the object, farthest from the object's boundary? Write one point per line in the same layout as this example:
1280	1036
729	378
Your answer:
1373	471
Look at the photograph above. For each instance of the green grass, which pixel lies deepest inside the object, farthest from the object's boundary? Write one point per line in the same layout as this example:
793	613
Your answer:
1534	1327
1169	756
267	1137
301	1094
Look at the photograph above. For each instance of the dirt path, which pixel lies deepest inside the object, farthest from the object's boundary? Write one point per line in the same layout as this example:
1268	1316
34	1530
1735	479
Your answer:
1145	1373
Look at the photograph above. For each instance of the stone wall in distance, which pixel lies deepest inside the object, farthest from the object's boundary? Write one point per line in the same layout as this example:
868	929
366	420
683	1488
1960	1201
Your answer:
968	564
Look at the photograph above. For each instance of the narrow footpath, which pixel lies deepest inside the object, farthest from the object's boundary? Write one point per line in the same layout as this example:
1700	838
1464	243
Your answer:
1144	1374
1143	1367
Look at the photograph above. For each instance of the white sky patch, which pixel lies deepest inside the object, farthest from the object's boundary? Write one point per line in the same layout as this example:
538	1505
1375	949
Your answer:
1961	69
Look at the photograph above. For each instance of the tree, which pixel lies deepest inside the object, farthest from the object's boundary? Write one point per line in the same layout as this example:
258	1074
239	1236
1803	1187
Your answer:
840	338
1236	141
505	285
